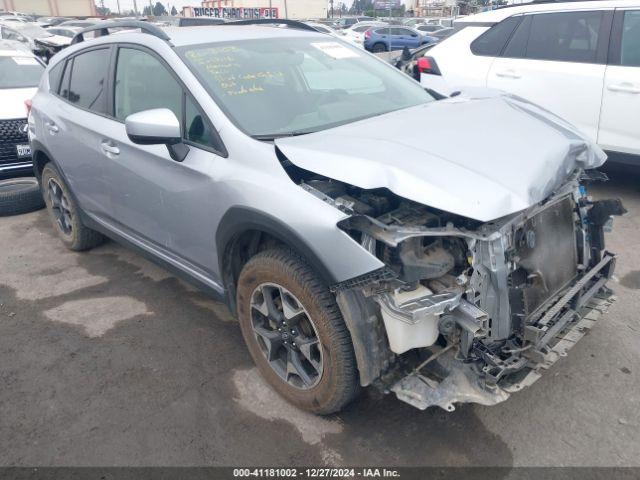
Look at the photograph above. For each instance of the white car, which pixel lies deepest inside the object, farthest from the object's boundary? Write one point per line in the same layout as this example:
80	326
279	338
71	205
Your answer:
10	36
68	32
355	33
12	19
42	42
443	22
580	60
20	73
323	28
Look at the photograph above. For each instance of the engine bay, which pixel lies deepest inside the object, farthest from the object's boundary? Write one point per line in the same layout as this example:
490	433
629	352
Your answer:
471	311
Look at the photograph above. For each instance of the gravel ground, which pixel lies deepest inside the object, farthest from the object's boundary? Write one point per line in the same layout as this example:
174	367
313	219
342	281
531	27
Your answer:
106	359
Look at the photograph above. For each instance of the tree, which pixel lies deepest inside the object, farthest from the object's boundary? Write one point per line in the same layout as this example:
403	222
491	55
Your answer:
174	12
159	10
146	11
102	10
359	6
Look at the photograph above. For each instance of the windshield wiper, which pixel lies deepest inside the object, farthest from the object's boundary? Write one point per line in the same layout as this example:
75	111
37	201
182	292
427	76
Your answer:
273	136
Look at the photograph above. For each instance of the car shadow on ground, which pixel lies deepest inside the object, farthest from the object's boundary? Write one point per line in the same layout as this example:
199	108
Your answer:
116	362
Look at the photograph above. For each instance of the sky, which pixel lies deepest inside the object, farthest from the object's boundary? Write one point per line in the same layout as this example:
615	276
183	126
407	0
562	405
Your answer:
128	4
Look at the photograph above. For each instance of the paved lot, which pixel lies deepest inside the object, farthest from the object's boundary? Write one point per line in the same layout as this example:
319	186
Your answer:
106	359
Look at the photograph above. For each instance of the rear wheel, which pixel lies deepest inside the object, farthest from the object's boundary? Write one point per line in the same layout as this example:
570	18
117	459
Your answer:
295	332
379	47
64	213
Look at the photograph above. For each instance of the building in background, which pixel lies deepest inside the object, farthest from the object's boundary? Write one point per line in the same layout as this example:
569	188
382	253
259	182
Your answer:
62	8
294	9
436	8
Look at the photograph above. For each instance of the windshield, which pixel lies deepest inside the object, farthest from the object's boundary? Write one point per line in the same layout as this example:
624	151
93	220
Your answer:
20	72
289	86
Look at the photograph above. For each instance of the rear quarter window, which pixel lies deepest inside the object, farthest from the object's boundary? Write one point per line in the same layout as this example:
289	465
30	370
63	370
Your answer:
55	75
491	42
87	87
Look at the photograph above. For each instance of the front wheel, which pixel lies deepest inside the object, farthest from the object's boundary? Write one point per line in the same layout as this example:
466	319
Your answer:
295	333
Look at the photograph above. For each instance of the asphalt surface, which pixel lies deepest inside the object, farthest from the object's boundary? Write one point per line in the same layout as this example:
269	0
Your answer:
108	360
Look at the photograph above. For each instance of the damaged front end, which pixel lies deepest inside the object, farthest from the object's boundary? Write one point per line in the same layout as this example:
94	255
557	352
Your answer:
470	311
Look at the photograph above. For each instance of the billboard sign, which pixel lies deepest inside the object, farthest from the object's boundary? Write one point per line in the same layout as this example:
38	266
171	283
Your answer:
241	13
387	4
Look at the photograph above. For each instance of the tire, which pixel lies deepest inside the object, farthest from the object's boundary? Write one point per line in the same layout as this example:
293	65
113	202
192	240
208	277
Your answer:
338	381
20	195
77	236
379	47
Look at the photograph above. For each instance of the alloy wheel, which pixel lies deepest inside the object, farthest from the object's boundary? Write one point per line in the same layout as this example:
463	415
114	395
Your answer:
286	335
59	206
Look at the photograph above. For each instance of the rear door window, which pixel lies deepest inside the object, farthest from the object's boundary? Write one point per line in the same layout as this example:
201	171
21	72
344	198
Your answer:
88	83
492	42
564	36
403	31
630	44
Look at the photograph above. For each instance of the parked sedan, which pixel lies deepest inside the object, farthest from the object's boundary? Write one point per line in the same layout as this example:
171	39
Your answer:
324	28
18	41
52	21
43	43
78	23
442	33
346	22
69	32
355	33
385	39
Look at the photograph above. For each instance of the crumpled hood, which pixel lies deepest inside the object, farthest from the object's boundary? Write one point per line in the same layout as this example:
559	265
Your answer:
482	158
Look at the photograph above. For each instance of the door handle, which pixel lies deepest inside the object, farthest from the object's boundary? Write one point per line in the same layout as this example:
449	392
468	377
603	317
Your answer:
624	87
109	148
508	74
52	127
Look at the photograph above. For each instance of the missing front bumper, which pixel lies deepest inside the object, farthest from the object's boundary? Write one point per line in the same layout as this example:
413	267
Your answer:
448	380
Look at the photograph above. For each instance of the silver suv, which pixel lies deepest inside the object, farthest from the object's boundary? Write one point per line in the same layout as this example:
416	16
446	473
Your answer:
363	230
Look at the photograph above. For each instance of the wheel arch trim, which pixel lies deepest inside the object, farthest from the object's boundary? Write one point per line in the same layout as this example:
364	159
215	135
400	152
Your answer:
240	219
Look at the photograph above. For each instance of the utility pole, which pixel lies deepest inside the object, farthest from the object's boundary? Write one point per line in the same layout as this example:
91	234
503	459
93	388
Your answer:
135	7
118	1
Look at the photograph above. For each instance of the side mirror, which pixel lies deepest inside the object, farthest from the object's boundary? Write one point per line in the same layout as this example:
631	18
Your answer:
156	127
406	54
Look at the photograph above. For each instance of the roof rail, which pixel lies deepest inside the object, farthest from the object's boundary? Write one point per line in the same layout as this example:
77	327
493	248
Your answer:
103	28
273	21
